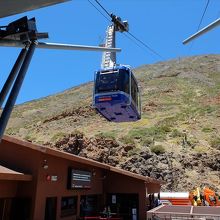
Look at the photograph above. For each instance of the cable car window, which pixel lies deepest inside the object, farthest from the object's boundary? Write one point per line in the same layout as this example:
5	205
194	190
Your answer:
124	83
107	82
134	90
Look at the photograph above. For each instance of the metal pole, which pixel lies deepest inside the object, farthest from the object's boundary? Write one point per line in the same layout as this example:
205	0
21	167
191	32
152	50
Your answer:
12	76
58	46
15	90
203	31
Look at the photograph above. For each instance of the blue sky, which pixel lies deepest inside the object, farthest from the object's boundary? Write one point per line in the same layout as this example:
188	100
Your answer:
162	24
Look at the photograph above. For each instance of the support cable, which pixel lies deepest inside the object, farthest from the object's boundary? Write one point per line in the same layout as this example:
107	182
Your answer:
134	37
218	14
131	39
99	10
103	8
207	4
145	45
200	22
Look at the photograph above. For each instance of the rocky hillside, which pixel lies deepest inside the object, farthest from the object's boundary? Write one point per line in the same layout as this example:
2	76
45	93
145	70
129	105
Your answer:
177	139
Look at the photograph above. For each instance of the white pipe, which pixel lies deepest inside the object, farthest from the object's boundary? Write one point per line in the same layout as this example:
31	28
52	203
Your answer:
58	46
203	31
174	195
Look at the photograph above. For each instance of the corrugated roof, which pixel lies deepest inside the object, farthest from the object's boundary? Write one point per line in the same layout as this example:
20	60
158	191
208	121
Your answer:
177	210
206	210
76	158
8	174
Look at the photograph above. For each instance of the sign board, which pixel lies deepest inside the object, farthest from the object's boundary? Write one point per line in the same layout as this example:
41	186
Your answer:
51	178
79	179
54	178
134	214
113	199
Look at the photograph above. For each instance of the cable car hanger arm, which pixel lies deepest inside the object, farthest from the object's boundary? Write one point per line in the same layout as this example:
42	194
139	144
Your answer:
57	46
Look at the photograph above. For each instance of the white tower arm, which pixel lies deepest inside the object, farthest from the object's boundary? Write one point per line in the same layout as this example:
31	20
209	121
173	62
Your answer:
57	46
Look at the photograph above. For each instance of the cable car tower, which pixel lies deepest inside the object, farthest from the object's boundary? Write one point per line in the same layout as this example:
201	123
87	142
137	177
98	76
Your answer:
116	94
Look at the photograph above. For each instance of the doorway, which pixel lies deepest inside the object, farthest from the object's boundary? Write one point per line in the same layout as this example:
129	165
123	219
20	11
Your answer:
5	208
51	208
124	205
90	205
20	209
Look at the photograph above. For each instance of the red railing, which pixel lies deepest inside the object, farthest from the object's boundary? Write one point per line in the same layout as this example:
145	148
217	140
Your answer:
101	218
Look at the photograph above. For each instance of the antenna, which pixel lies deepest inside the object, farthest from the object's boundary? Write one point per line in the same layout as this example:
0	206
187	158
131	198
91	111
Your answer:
203	31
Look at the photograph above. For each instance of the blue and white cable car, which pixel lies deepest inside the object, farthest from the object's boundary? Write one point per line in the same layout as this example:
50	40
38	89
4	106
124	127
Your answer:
116	94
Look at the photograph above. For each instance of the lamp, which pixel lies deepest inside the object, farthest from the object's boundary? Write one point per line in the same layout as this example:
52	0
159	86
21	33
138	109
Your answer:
45	165
93	172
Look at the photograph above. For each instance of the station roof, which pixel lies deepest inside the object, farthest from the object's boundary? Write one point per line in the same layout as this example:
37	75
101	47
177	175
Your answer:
78	159
8	174
12	7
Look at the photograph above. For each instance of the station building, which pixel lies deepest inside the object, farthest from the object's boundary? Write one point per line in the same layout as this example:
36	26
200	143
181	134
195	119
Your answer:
40	183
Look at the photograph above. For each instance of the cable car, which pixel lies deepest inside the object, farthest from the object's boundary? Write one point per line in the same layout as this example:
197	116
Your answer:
116	94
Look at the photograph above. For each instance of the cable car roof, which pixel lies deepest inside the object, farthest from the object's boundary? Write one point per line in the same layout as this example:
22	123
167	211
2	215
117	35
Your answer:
12	7
119	67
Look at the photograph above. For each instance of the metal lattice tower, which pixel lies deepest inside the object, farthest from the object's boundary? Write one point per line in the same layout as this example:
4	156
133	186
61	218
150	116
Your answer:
109	58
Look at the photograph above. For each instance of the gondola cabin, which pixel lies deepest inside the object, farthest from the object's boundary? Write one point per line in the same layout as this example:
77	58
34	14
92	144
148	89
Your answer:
116	94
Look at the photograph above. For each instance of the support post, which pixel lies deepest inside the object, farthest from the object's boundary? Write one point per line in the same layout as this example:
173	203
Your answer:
16	88
12	76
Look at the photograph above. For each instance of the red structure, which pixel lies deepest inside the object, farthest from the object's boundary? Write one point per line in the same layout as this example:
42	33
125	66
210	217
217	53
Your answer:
40	183
168	212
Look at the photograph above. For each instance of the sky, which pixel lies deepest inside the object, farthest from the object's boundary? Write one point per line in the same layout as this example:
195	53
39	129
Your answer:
161	24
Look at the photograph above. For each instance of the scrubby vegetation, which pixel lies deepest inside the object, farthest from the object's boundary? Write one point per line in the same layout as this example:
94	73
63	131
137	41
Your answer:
157	149
178	133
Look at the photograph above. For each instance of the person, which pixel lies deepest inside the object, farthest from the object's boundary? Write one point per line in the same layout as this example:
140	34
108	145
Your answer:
106	212
82	207
109	212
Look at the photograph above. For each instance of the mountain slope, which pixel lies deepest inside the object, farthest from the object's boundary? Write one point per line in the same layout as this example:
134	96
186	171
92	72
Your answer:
176	140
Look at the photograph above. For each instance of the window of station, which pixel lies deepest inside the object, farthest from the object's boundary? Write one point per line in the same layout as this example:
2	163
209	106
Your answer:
68	206
125	205
15	208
